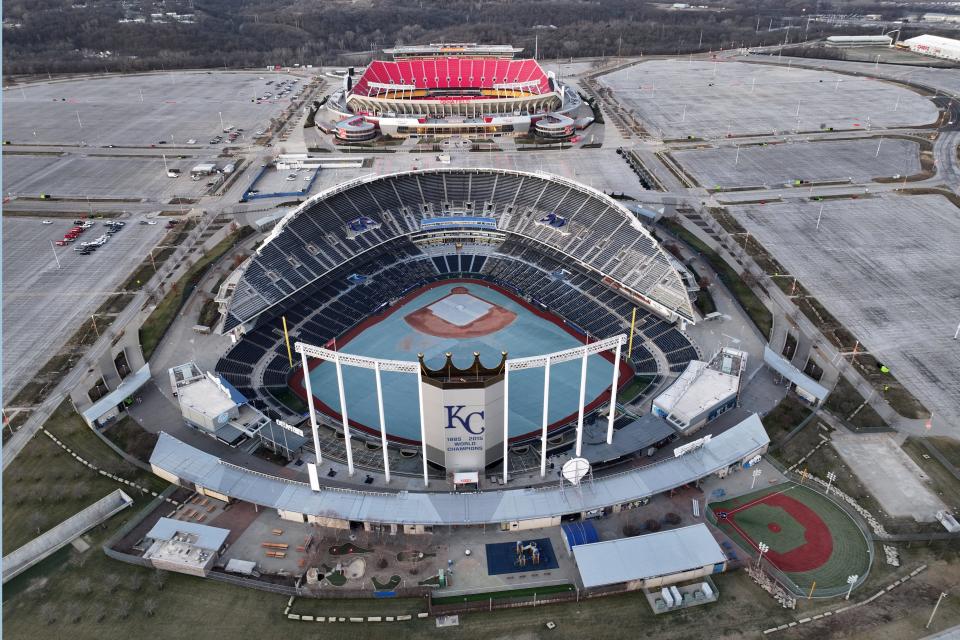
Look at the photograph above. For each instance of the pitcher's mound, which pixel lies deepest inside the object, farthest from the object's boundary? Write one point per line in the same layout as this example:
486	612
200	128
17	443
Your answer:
460	314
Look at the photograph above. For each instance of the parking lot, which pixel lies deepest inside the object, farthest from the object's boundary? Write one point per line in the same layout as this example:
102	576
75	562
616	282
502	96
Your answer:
773	164
139	110
43	305
601	169
886	268
76	175
680	98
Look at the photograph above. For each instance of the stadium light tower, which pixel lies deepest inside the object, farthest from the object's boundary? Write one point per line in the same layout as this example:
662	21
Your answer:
756	474
831	476
852	580
763	547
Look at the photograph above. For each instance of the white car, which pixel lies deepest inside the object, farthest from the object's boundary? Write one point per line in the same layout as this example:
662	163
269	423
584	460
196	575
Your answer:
48	222
151	222
191	141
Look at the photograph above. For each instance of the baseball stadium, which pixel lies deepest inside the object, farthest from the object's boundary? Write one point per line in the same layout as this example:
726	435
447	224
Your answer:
452	89
460	327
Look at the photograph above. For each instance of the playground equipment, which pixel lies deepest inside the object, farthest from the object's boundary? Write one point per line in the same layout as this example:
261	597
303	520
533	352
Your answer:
528	553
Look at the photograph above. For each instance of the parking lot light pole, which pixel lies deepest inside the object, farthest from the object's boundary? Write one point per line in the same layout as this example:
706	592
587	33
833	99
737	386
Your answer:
943	594
55	257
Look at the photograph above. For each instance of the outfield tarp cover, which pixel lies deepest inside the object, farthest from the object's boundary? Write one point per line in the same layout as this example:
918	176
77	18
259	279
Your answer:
740	442
641	557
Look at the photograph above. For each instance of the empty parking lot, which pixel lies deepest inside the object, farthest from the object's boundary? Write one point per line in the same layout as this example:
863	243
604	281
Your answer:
886	268
677	98
858	161
137	110
43	305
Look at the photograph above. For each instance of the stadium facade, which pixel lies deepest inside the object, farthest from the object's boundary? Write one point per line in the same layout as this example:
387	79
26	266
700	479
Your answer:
443	90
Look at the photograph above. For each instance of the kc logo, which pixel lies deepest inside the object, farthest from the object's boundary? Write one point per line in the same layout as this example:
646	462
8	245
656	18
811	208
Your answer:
465	421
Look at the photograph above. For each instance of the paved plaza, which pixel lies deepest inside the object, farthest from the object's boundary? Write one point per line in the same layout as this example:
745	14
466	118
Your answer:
891	476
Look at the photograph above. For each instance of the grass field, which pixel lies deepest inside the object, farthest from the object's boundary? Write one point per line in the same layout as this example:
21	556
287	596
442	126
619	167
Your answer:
824	549
159	321
44	485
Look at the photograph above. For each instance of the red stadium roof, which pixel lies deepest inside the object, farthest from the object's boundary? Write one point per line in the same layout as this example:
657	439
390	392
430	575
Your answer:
452	73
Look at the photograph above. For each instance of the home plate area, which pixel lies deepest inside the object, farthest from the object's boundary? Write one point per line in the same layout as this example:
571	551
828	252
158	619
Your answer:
460	314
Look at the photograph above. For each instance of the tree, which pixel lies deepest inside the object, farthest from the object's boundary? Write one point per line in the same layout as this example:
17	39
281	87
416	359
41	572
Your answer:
37	521
111	582
74	613
159	579
48	613
149	607
84	587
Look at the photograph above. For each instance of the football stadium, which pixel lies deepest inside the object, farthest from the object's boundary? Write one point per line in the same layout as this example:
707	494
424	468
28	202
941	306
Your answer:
452	89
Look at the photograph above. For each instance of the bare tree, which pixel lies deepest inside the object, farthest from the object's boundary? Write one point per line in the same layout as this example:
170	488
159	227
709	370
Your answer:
123	609
79	490
111	582
48	613
74	613
136	582
149	607
37	521
84	587
159	579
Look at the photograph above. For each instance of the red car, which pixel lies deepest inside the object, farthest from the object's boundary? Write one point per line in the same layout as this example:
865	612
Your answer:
61	243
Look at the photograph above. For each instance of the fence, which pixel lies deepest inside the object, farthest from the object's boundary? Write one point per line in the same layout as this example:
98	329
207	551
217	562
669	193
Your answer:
492	603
